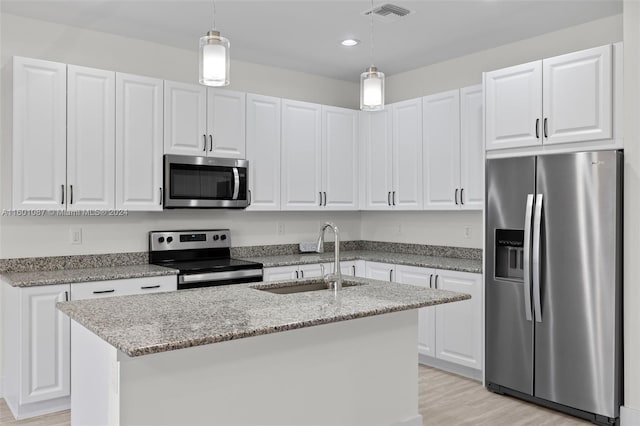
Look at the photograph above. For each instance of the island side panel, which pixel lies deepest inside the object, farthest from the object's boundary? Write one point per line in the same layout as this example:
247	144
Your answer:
94	379
358	372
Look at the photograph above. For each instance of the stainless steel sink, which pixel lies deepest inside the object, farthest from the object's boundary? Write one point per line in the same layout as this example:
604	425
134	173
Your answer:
302	287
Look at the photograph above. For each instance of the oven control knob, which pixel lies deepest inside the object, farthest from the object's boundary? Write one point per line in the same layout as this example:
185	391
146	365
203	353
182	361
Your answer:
161	240
215	237
223	237
169	239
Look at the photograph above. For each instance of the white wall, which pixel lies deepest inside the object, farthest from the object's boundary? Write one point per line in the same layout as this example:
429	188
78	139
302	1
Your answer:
448	228
632	209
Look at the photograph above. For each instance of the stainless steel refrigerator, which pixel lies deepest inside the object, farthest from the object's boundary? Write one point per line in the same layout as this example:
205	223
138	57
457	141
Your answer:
553	287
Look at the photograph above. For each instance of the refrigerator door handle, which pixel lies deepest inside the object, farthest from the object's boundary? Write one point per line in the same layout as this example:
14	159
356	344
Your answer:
537	218
527	257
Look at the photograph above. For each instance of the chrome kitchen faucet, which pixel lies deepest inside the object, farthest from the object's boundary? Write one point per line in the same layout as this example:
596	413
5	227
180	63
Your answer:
336	277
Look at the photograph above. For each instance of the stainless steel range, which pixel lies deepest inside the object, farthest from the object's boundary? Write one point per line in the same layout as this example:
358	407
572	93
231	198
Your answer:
202	257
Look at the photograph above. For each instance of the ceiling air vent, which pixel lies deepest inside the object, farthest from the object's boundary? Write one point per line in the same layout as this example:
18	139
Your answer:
388	12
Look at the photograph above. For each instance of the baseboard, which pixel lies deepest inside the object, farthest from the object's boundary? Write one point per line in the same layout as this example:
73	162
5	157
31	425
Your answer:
629	416
450	367
414	421
34	409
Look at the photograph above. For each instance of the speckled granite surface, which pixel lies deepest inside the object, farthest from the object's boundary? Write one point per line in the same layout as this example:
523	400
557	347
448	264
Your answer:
40	278
449	263
53	263
286	249
146	324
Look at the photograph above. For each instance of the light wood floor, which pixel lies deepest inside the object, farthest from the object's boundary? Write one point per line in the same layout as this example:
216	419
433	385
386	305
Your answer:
445	399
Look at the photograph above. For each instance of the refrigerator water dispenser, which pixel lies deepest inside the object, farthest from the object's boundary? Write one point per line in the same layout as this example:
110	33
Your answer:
509	254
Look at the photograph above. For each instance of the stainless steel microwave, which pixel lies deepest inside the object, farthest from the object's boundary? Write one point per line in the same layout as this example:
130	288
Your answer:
205	182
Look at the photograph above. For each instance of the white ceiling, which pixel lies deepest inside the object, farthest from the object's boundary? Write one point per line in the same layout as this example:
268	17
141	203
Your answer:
304	35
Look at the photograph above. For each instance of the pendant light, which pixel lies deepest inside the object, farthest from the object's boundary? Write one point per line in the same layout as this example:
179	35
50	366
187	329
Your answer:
372	82
214	57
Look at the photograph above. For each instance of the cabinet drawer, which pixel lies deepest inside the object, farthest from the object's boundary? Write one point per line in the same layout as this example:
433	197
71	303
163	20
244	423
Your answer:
110	288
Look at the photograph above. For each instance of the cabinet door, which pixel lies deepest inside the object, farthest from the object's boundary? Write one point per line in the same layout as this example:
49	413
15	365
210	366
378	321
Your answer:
441	133
314	270
124	287
407	155
138	143
301	155
280	273
376	150
46	344
379	271
578	96
39	134
421	277
340	158
513	99
90	138
263	151
459	325
471	149
226	114
185	119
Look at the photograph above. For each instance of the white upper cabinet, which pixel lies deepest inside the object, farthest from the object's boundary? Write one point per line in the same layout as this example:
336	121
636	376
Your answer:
263	151
339	158
441	132
90	138
185	119
226	123
36	125
407	190
513	102
559	100
138	142
377	159
578	96
301	156
471	149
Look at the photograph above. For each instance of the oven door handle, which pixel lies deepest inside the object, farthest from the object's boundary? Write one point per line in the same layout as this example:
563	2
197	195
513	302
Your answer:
219	276
236	183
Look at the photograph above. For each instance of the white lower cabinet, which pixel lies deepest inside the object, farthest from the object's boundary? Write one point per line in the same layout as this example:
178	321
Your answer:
37	339
451	332
348	268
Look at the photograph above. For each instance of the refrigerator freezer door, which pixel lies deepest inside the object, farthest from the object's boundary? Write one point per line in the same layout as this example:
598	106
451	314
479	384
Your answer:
577	342
509	335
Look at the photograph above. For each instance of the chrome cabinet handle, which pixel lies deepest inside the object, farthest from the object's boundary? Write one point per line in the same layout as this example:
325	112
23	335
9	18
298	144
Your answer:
70	194
320	192
537	219
537	128
66	296
161	196
456	196
527	257
210	143
301	274
62	193
325	198
545	128
393	198
389	198
354	270
462	196
249	192
430	281
104	291
149	287
437	281
390	275
204	146
297	276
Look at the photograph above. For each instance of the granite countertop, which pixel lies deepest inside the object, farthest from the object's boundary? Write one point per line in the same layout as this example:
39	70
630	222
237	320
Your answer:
151	323
65	276
448	263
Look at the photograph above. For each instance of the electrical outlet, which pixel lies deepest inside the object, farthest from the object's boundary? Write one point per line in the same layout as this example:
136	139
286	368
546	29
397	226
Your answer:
76	235
467	232
280	228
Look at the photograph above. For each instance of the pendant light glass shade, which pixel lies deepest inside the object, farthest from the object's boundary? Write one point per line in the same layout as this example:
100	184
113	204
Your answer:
372	90
214	60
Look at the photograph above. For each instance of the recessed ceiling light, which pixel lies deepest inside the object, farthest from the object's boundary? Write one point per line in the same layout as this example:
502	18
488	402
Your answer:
350	42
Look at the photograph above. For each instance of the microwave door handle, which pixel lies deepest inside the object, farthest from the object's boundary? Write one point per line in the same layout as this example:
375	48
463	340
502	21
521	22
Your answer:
236	183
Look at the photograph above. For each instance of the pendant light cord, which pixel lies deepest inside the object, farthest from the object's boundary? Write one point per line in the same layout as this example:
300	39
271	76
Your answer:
371	13
214	14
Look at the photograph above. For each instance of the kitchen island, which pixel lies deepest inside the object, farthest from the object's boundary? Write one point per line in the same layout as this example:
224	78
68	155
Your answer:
315	357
